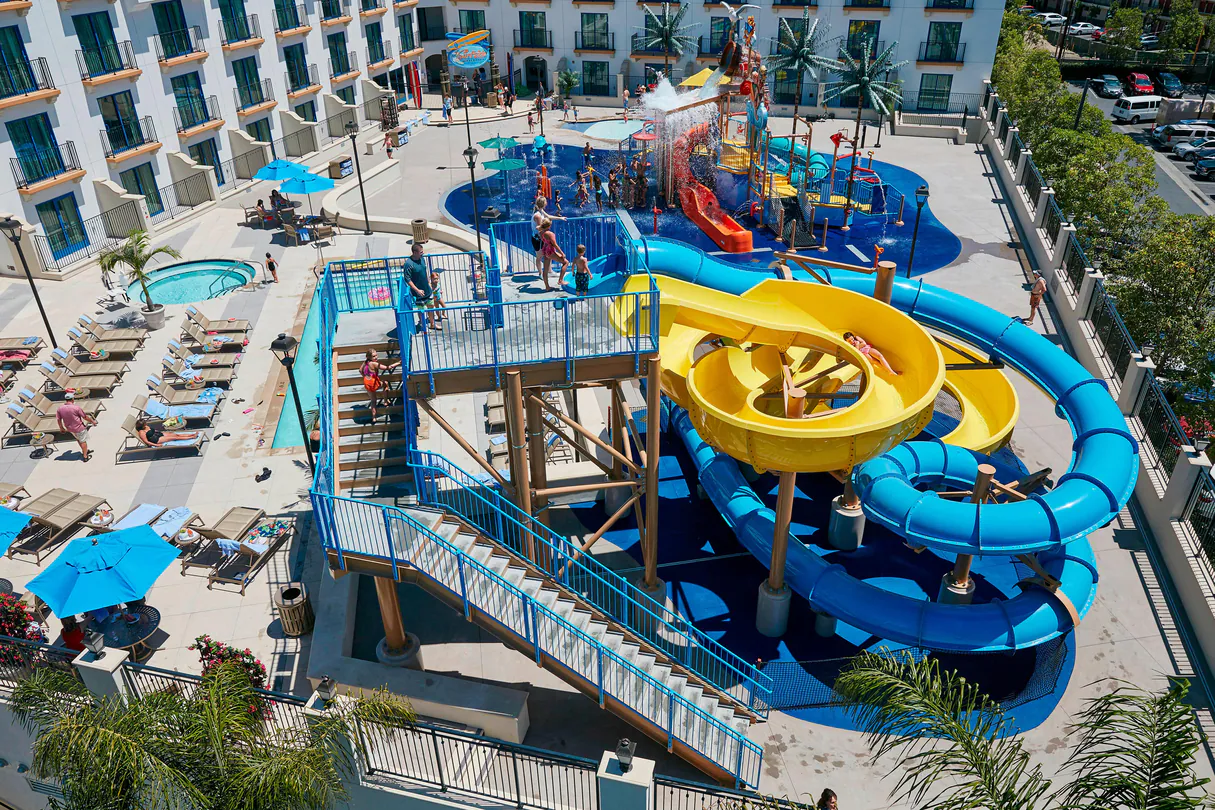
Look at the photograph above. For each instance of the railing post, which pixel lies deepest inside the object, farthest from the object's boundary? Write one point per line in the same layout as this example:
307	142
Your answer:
434	737
1059	251
392	552
463	587
1088	287
602	695
1136	377
1008	140
569	348
1192	467
670	719
1042	206
1020	169
514	762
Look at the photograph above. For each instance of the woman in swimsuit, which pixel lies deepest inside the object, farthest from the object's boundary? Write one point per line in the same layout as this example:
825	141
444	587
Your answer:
155	437
864	347
373	381
550	250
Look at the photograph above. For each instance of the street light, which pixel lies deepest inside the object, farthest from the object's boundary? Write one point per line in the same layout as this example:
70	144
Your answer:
352	129
12	229
283	347
94	642
1080	109
921	197
470	154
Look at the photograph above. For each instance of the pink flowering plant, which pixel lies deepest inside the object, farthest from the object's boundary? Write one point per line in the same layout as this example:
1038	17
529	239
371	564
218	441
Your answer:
16	622
212	653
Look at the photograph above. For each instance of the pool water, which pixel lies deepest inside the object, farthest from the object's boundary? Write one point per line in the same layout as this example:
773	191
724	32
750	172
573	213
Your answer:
606	130
289	432
188	282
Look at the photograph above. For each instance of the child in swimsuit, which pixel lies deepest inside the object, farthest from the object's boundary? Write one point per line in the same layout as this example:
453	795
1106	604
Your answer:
598	184
582	196
582	272
865	348
436	296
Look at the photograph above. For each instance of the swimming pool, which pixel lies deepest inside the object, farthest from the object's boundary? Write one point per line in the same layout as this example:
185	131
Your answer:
606	130
289	432
187	282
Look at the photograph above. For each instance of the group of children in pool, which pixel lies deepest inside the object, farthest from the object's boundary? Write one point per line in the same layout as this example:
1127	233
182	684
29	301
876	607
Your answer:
587	182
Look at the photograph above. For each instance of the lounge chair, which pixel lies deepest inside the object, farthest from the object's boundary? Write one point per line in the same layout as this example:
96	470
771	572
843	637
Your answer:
233	526
132	444
106	333
78	366
182	396
143	514
174	519
26	421
219	327
197	337
6	378
86	342
218	375
13	491
60	379
40	403
32	344
203	360
55	517
197	412
242	559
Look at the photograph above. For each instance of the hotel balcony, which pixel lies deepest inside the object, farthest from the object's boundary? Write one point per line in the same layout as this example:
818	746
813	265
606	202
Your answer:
38	168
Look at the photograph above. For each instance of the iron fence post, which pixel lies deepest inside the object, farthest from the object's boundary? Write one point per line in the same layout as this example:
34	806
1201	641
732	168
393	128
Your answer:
438	760
514	761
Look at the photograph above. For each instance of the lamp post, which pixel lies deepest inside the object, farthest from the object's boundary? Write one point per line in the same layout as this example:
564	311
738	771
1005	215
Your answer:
12	229
921	197
94	642
283	347
470	154
352	129
1080	109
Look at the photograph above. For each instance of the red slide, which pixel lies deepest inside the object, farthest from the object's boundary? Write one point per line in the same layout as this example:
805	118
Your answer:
699	203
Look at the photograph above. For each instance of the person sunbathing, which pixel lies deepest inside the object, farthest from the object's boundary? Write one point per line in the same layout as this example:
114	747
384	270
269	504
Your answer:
867	349
155	437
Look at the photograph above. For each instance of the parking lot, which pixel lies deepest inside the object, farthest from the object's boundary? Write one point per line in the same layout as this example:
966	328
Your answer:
1179	187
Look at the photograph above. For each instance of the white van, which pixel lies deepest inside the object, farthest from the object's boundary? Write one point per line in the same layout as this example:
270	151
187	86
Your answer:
1171	134
1137	108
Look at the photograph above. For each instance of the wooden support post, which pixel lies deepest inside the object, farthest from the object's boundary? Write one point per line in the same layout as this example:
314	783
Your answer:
538	475
795	405
463	444
574	489
390	614
579	429
617	424
518	450
883	287
961	568
653	427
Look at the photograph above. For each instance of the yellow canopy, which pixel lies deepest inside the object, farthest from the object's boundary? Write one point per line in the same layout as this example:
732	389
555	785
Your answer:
702	78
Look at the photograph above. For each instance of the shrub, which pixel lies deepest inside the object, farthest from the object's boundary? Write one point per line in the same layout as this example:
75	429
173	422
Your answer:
211	654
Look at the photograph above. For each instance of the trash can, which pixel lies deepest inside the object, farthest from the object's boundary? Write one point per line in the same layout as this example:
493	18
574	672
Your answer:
294	609
421	233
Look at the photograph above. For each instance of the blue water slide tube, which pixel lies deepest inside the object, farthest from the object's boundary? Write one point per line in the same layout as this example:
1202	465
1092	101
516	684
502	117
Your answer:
820	164
1103	468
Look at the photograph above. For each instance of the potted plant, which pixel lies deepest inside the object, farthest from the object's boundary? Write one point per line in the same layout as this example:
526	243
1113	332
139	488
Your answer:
567	80
135	254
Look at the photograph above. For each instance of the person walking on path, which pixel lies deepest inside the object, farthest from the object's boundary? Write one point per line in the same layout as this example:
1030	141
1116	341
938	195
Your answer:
550	250
1036	293
72	419
531	123
272	267
447	108
418	279
626	104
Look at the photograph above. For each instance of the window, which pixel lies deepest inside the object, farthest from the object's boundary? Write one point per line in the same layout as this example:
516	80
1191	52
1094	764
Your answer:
595	32
235	21
374	33
861	32
934	92
431	25
332	9
191	107
595	80
471	21
171	28
346	94
339	57
207	153
405	26
307	111
718	28
260	129
248	82
60	219
15	74
37	151
396	81
142	180
297	67
121	122
796	27
97	43
286	15
532	30
943	41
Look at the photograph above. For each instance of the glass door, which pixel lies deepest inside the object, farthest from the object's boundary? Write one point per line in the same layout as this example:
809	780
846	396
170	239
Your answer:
287	14
96	35
171	28
15	74
236	23
248	82
297	67
934	94
34	142
142	180
339	57
60	219
187	93
207	153
121	123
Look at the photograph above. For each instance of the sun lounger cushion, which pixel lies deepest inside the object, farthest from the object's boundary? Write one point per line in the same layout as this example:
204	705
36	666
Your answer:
139	516
158	410
172	521
178	443
31	340
9	355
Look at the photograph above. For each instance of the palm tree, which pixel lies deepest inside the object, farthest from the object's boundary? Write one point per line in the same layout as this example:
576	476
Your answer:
216	749
666	32
134	253
860	76
1133	750
798	53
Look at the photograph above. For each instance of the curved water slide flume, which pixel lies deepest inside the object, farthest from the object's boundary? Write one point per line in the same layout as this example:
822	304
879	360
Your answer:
1098	482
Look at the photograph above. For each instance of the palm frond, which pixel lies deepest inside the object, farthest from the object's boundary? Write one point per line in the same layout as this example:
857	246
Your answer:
951	740
1135	749
798	49
665	31
300	777
134	254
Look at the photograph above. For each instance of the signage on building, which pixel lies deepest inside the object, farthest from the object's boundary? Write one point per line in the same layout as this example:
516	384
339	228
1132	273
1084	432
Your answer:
467	52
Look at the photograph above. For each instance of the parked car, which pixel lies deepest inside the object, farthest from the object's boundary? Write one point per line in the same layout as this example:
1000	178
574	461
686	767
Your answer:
1027	10
1107	86
1138	84
1170	85
1183	150
1172	134
1050	19
1205	153
1081	29
1186	122
1148	42
1098	34
1205	168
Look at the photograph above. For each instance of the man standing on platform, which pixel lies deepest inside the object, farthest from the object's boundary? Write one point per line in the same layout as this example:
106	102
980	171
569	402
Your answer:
418	279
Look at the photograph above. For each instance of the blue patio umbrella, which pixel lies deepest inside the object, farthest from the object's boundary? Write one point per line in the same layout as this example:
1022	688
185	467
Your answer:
505	165
306	184
11	525
277	170
103	570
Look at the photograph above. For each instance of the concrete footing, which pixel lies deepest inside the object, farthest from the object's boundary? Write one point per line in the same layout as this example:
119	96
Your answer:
824	625
409	657
772	612
846	528
951	593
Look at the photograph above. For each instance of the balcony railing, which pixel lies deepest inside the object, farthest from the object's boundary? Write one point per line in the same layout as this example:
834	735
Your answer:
240	29
34	164
710	46
595	40
950	4
371	5
250	95
125	134
300	79
942	52
20	78
640	45
379	51
334	9
796	3
195	111
340	67
407	41
113	58
173	44
856	48
866	3
288	17
533	38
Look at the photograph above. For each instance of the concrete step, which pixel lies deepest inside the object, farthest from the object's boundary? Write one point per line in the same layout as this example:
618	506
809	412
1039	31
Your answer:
372	485
371	463
372	446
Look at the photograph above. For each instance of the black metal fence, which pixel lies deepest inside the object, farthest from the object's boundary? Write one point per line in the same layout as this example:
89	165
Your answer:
1161	430
75	241
533	38
379	51
195	110
111	58
942	52
126	134
239	171
21	78
240	28
334	9
1052	222
1014	151
1003	126
1033	183
250	95
289	16
172	201
297	80
173	44
596	40
33	164
671	793
341	67
1111	332
1075	262
1201	518
19	658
